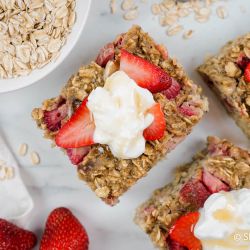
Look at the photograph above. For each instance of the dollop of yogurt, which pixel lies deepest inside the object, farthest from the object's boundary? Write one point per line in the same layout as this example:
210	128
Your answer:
224	222
119	111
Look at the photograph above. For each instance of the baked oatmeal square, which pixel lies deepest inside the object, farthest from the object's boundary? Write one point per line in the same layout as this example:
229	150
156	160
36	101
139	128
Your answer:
221	168
179	105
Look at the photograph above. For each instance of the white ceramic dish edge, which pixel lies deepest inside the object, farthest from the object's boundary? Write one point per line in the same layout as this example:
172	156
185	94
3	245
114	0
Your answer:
7	85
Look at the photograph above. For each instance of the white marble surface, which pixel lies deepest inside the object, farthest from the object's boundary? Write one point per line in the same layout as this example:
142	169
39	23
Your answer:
54	183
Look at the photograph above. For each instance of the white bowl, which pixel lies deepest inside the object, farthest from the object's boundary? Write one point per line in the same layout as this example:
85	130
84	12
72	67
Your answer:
82	10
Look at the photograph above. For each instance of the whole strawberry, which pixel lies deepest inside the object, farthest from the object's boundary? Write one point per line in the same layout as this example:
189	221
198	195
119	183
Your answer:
63	231
13	237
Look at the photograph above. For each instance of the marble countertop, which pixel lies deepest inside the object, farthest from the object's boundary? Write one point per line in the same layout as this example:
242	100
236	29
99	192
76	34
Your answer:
54	182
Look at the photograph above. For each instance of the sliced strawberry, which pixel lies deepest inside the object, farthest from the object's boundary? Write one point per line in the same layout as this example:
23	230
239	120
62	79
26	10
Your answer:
195	193
53	118
213	184
174	245
106	54
79	130
144	73
173	90
183	231
157	128
76	155
247	73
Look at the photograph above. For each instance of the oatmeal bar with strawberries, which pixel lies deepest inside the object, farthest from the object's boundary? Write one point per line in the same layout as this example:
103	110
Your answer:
118	116
228	74
221	166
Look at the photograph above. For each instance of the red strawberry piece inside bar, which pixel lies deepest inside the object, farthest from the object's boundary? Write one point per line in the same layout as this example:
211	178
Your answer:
187	109
144	73
106	54
243	61
173	90
76	155
213	184
217	149
195	193
54	117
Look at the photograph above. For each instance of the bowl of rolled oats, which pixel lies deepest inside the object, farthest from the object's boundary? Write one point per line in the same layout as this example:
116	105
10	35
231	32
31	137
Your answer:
36	36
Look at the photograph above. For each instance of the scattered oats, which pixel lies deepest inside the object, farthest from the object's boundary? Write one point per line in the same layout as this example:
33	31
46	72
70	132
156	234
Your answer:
221	12
128	4
169	20
35	158
156	9
131	15
9	173
188	34
172	31
32	33
183	12
113	6
204	12
23	148
6	173
201	19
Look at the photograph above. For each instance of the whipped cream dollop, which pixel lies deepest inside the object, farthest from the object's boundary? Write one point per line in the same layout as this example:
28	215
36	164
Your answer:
224	222
119	111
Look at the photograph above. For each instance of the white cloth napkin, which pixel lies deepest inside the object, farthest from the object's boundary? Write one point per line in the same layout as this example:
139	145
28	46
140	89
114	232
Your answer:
15	201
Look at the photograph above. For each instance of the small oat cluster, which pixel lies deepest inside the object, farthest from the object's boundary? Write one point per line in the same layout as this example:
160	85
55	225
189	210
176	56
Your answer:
34	156
32	33
171	11
129	7
6	172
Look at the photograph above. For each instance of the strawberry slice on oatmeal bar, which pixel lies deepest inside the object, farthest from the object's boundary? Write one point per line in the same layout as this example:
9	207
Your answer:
173	217
118	116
